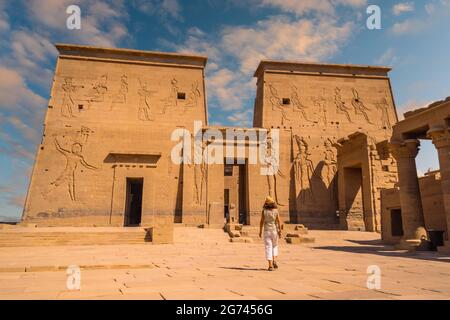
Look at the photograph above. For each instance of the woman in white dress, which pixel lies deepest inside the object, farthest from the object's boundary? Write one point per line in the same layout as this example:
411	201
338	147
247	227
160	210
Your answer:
270	221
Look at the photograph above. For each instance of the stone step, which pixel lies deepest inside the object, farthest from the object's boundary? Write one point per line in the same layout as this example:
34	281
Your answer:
298	239
24	237
242	240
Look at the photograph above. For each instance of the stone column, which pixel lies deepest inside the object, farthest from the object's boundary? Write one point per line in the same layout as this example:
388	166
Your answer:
405	153
441	140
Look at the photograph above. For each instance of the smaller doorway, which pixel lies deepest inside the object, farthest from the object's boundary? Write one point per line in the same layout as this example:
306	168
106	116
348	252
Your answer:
133	205
396	223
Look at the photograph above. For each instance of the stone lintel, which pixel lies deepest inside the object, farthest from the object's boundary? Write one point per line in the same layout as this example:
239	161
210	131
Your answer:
321	68
129	55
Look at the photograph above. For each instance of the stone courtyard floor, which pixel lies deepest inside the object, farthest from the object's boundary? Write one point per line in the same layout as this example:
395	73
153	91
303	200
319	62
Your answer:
202	264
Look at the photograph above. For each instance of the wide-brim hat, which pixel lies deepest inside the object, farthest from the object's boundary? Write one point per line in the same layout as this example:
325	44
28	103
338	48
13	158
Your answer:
269	200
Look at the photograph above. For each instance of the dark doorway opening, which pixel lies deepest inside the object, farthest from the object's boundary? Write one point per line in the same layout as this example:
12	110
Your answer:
226	203
236	192
396	223
133	205
243	199
354	199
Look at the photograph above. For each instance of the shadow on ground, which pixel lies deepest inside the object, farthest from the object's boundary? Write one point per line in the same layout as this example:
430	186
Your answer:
378	248
244	269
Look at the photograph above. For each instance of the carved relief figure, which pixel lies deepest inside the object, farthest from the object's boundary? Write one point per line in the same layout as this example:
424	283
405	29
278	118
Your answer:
172	99
273	166
121	96
277	104
303	168
330	163
359	106
99	89
194	95
321	104
298	105
68	99
340	105
145	112
74	157
383	105
199	175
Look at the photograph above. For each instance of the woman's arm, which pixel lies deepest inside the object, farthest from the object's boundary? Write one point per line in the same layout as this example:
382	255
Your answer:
277	222
261	224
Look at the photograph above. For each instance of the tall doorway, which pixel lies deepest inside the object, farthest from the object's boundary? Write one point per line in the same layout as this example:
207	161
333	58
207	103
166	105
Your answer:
133	204
354	199
236	193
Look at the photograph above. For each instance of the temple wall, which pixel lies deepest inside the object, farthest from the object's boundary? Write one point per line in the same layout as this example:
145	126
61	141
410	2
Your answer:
108	121
318	107
432	202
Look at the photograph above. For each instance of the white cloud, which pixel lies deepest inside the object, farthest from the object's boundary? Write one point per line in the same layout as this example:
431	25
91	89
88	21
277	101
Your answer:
430	8
235	53
411	105
15	93
403	7
282	38
102	22
163	8
4	19
410	26
302	7
241	119
387	58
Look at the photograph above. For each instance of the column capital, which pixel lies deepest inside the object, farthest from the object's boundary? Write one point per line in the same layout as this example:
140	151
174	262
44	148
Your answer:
440	136
404	149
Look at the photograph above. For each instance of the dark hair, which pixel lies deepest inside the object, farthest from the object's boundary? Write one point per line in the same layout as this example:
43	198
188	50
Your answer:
270	205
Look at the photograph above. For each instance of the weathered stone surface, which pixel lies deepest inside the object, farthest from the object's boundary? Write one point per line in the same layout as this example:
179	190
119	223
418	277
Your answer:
105	157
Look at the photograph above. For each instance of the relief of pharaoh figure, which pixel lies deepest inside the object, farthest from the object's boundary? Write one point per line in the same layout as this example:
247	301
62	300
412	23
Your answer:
74	157
330	164
359	106
321	103
298	105
121	96
145	112
199	173
277	104
340	104
271	161
303	168
383	106
68	99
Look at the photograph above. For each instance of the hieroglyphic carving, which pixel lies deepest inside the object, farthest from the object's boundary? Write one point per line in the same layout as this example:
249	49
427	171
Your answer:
172	100
297	103
321	103
145	111
383	105
359	105
273	170
68	99
340	104
98	90
84	134
121	95
303	168
74	156
277	104
194	95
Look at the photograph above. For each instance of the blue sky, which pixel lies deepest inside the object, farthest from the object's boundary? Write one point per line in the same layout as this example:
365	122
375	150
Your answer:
234	34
